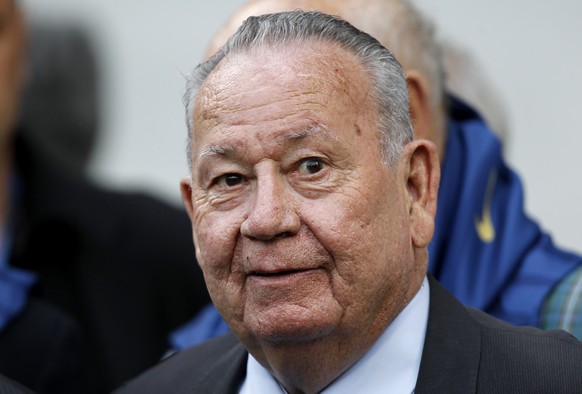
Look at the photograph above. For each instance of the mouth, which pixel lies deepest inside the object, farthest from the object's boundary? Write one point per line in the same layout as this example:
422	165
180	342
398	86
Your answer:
277	273
281	277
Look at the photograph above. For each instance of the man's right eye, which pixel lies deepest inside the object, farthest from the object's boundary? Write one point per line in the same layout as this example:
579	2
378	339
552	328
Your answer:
229	180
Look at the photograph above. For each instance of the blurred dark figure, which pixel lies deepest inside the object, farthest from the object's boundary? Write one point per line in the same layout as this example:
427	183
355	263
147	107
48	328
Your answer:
8	386
91	280
60	105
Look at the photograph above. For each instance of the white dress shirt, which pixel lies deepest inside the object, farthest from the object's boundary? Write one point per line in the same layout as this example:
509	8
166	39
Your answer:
390	366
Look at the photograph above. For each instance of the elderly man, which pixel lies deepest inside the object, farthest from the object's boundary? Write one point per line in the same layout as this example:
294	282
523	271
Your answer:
486	250
312	207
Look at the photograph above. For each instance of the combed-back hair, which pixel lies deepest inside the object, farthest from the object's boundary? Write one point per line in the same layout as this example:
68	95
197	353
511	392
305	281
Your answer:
298	27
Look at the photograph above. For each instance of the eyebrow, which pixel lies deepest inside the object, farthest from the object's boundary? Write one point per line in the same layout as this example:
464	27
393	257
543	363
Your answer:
215	150
312	129
229	150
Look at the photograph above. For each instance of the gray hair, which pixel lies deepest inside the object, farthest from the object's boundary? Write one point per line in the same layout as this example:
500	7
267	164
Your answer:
297	27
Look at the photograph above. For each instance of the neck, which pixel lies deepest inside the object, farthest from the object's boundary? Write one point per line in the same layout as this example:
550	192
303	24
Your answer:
310	367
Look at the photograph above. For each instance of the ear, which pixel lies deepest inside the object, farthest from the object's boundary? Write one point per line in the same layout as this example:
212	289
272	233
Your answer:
420	108
422	172
186	191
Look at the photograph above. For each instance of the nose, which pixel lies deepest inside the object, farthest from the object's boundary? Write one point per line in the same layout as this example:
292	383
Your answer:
272	215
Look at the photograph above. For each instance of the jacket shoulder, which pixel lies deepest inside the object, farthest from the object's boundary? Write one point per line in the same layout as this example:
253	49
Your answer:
469	351
215	366
527	359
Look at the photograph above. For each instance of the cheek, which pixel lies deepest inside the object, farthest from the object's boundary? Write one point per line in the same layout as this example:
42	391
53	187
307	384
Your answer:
215	236
343	228
365	230
344	221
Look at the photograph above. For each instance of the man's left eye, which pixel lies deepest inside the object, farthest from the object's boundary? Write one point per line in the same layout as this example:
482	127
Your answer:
311	165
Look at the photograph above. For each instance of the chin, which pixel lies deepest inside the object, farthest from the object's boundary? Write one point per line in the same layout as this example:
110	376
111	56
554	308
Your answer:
285	328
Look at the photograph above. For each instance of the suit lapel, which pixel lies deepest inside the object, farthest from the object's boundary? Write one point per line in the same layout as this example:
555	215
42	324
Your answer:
450	359
227	373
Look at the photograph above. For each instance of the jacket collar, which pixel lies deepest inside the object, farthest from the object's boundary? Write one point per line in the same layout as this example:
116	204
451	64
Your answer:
227	373
450	359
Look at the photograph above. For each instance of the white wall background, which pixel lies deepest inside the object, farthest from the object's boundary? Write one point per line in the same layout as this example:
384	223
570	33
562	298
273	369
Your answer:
532	52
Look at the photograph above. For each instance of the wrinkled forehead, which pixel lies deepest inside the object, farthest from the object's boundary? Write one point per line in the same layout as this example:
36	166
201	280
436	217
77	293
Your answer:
270	70
272	92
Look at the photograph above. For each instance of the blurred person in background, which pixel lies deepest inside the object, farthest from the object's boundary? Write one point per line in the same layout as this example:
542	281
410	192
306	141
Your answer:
486	250
466	80
97	277
41	346
60	110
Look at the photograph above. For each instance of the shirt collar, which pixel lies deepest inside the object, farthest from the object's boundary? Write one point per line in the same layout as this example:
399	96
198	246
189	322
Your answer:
391	365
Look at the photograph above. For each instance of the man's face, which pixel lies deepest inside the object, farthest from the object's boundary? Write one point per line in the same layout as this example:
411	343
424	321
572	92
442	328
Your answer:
300	229
11	67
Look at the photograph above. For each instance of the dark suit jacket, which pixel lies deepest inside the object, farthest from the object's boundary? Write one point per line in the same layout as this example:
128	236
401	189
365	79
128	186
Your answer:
43	349
8	386
121	264
466	351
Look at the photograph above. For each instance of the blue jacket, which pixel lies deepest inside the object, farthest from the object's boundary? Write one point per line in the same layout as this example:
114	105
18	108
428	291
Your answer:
486	250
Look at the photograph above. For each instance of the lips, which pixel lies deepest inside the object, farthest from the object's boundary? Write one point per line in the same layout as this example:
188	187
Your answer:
290	263
278	272
283	277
